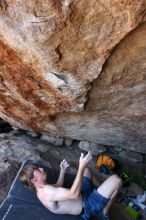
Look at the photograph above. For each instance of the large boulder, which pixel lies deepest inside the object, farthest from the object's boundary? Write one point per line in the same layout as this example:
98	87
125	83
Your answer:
51	52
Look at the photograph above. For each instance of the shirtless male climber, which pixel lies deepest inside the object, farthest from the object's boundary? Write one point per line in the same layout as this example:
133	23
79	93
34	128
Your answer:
81	199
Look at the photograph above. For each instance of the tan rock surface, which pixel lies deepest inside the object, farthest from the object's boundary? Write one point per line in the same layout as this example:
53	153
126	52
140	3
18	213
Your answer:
52	51
116	108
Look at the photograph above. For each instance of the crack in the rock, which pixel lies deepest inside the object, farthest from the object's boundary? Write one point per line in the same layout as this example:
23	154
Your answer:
60	77
39	22
31	78
71	7
1	78
143	15
58	51
2	82
3	5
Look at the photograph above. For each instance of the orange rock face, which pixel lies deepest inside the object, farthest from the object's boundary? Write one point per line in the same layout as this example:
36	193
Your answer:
51	52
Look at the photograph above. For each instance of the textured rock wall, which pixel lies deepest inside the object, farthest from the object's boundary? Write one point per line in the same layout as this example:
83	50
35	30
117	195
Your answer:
115	113
61	72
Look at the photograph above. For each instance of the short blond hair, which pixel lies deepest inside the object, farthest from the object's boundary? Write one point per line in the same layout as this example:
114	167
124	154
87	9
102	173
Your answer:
27	174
